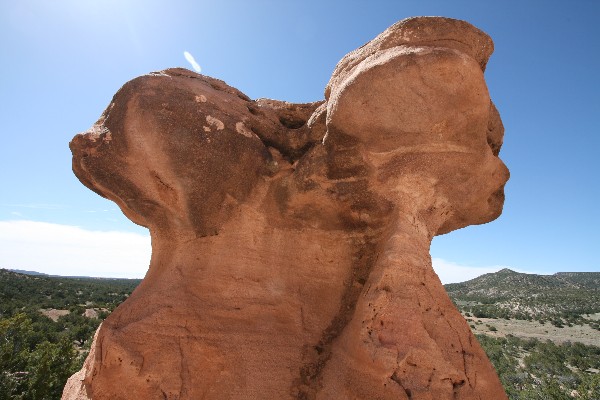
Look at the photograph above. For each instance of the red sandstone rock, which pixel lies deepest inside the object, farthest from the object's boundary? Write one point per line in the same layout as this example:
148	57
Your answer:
290	242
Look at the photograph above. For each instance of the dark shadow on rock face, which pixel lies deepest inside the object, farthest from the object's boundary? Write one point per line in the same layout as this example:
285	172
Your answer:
290	242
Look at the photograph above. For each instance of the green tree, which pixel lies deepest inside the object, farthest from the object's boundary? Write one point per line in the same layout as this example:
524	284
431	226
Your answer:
16	341
49	367
29	369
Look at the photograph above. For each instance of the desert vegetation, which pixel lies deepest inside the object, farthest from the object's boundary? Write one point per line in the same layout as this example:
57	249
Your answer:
535	369
46	326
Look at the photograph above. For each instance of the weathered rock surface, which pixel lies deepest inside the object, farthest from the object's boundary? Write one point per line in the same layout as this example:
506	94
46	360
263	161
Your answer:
290	242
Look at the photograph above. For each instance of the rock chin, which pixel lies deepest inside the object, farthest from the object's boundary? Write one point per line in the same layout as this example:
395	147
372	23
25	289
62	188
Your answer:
290	242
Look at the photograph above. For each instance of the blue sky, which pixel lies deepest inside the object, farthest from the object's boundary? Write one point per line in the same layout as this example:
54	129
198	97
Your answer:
63	60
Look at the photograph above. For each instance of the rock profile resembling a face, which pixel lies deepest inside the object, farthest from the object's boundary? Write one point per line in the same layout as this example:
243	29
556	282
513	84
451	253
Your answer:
290	242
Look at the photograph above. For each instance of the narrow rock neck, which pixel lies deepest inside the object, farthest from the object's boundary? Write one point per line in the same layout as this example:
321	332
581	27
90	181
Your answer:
405	327
402	282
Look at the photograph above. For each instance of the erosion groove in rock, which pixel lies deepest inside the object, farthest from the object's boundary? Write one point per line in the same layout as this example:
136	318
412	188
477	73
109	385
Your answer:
290	242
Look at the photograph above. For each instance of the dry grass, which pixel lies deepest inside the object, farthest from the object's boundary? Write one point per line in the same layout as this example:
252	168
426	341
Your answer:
533	329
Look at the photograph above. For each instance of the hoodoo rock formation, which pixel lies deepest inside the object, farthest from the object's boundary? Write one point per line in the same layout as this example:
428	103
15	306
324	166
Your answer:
290	242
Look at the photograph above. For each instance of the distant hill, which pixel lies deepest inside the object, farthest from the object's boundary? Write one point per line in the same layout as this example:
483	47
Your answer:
565	296
507	282
25	272
35	273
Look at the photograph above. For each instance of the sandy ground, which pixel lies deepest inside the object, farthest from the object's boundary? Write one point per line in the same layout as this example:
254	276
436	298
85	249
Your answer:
90	313
54	314
533	329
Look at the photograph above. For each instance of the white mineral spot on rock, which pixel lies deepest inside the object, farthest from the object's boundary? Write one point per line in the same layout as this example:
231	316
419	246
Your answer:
206	128
201	99
241	129
215	122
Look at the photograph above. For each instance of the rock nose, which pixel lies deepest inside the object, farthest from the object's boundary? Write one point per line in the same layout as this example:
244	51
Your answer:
83	146
503	173
86	143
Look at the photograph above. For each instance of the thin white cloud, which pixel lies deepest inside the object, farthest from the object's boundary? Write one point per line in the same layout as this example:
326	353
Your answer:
190	58
73	251
36	206
450	272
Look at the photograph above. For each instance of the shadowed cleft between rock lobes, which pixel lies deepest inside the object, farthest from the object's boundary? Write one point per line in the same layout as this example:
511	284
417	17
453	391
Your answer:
290	242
